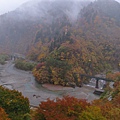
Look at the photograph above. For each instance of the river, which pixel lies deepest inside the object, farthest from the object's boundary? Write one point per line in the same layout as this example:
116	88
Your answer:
24	82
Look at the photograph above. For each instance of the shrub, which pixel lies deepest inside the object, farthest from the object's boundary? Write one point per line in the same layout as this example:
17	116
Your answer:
3	58
24	65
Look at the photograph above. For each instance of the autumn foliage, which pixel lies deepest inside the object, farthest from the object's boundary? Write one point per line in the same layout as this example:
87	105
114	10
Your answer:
70	108
67	108
89	46
3	115
64	49
14	104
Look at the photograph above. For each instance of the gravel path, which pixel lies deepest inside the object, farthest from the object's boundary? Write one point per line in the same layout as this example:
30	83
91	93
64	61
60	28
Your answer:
24	82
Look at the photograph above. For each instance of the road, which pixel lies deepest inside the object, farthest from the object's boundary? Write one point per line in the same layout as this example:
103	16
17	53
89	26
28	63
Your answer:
24	82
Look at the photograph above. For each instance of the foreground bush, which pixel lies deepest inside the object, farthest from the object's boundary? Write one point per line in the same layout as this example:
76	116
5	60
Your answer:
70	108
14	104
67	108
24	65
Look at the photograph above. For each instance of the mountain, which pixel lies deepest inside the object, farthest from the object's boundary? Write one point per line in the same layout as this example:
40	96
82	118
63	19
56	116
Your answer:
68	38
18	28
89	45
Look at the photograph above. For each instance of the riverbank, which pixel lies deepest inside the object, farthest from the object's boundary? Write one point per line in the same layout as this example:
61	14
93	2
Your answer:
85	92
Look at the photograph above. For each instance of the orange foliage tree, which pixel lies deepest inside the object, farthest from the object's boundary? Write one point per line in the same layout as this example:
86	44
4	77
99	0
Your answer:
68	108
3	115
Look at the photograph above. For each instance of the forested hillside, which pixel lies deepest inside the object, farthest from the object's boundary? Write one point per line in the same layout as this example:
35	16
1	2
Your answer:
67	38
61	40
89	45
18	28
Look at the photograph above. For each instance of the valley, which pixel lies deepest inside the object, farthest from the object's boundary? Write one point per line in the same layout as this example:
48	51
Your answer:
53	53
24	82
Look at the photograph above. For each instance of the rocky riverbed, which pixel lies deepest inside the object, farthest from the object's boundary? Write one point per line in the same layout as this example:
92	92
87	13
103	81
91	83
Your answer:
24	82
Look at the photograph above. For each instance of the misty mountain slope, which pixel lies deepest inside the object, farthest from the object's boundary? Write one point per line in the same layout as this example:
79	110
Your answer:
100	24
103	17
67	38
110	8
89	45
18	28
92	25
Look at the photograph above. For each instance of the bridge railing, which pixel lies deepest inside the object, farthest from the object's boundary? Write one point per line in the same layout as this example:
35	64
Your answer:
96	78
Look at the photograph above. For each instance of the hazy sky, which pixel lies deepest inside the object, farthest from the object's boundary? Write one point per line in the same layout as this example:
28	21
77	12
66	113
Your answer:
8	5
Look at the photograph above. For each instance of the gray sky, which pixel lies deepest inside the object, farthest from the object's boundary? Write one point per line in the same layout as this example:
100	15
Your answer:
9	5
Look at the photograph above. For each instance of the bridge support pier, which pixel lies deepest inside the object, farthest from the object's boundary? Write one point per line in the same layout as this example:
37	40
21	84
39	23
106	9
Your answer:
97	86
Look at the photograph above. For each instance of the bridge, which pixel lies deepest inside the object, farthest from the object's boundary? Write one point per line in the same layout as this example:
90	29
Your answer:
96	78
97	90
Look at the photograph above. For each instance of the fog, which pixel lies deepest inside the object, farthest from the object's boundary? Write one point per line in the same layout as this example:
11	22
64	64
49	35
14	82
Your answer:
6	6
38	9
